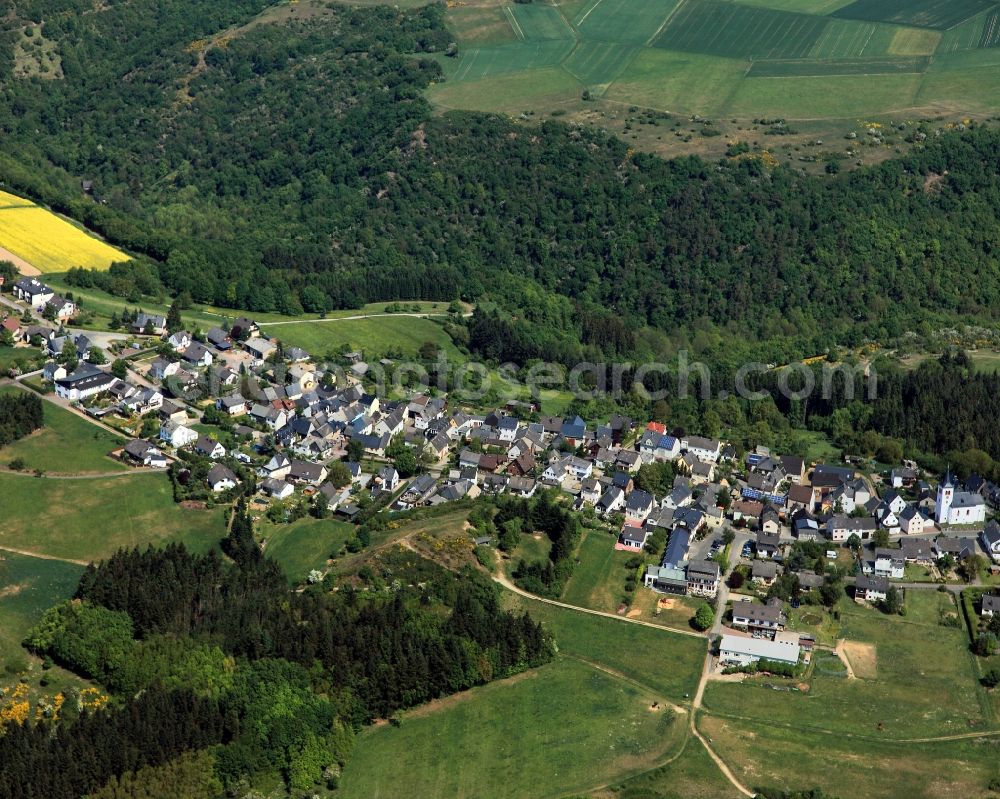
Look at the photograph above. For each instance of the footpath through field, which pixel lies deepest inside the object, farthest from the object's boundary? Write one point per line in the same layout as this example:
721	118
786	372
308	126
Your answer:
502	579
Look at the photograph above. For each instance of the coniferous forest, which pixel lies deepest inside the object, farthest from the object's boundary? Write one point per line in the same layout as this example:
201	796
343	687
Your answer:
20	414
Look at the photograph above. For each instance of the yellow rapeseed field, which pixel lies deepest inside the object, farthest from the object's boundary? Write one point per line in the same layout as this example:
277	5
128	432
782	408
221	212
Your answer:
47	242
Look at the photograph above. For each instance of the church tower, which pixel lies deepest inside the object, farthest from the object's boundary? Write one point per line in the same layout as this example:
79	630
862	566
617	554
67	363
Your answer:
945	495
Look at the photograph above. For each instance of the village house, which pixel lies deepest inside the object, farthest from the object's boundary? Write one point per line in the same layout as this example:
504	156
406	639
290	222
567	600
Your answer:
989	605
703	578
307	472
85	381
759	619
839	528
764	572
149	324
768	545
737	650
990	536
889	563
33	292
277	488
632	537
177	434
142	453
209	448
638	506
219	339
870	588
704	449
612	501
220	478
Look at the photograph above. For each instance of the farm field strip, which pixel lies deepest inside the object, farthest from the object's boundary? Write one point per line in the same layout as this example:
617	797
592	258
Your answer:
966	36
624	21
537	23
726	29
487	61
599	62
819	67
937	14
850	39
49	243
991	30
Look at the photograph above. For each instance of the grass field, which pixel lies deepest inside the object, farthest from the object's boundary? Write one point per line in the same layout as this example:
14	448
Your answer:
599	577
304	544
28	586
400	335
47	242
67	444
925	682
662	79
599	62
19	357
566	727
479	25
90	518
663	661
844	766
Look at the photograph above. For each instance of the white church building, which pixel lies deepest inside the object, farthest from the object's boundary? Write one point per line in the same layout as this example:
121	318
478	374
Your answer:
958	507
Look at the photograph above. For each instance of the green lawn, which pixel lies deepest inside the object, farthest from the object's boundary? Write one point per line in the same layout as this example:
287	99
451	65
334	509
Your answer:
599	577
304	544
206	316
67	444
925	685
90	518
21	357
28	586
560	729
401	335
664	661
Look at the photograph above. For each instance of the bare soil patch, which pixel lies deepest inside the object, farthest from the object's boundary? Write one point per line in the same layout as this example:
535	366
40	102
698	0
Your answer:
22	266
863	659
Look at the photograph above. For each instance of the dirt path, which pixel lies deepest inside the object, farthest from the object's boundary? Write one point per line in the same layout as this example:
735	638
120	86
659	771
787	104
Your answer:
22	266
842	654
83	476
356	317
502	579
40	556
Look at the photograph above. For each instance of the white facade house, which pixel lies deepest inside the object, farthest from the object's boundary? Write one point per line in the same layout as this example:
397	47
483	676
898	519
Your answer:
704	449
85	381
738	650
177	435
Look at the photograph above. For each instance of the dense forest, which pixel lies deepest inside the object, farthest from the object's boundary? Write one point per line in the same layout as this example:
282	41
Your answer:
295	165
20	414
206	654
